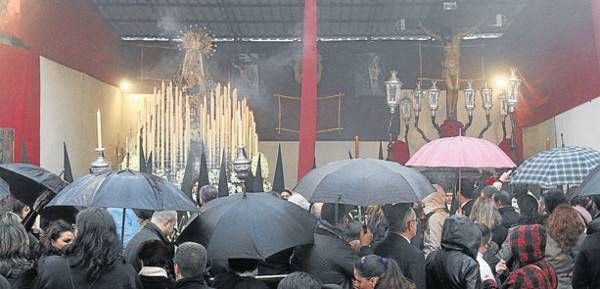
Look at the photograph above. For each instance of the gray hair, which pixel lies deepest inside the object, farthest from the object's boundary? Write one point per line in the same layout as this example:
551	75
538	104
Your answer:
207	193
14	247
191	259
299	280
161	217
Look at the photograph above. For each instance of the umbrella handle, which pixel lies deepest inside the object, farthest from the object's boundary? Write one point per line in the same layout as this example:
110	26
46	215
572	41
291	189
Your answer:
123	228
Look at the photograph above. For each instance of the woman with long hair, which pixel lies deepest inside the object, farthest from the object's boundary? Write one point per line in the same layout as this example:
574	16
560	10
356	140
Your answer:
565	234
57	236
93	260
374	272
14	248
486	213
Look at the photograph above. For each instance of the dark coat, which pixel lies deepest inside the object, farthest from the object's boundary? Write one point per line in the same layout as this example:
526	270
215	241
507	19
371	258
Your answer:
192	283
55	274
17	275
149	232
4	284
330	258
152	282
410	260
510	217
455	265
467	207
586	274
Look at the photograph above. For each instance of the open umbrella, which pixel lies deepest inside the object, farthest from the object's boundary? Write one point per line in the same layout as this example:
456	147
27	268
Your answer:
123	189
364	182
460	152
27	182
560	166
253	226
591	185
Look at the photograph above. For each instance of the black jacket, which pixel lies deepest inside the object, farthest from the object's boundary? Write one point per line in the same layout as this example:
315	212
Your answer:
586	274
192	283
56	275
152	282
510	217
410	260
454	266
330	258
149	232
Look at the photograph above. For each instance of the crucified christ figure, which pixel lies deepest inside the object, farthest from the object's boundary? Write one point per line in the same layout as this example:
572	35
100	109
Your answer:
451	42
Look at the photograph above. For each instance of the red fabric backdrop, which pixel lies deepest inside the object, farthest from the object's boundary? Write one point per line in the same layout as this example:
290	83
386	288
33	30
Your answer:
20	99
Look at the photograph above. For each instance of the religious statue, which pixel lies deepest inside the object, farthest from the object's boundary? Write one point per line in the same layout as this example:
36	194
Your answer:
451	41
192	76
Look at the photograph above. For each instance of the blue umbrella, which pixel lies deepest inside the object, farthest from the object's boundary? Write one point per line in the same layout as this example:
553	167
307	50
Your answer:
560	166
124	189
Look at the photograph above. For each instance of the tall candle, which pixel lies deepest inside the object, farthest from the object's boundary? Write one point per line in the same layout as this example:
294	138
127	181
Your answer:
356	147
99	128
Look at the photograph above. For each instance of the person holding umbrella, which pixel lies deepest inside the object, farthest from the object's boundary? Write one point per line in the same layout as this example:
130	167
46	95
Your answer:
160	226
92	260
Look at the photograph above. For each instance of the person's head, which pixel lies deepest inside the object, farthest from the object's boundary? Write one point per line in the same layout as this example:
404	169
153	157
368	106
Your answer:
165	221
299	280
96	246
401	219
190	260
373	271
153	253
11	204
528	243
565	226
503	199
328	213
488	191
484	212
528	210
553	198
14	243
467	189
57	236
459	233
239	265
286	194
207	193
486	238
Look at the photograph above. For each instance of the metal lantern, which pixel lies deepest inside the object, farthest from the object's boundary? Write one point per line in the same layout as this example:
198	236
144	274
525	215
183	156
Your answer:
393	90
512	97
241	165
417	98
469	93
486	97
434	94
405	109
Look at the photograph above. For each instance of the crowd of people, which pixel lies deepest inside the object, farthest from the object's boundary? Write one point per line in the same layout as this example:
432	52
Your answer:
484	236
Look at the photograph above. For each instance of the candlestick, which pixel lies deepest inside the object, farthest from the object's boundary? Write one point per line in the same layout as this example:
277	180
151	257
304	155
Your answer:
356	147
99	127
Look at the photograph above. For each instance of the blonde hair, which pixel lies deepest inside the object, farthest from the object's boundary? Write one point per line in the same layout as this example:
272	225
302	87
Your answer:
484	212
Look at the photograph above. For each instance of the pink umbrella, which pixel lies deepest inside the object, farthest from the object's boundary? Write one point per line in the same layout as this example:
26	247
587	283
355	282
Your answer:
460	152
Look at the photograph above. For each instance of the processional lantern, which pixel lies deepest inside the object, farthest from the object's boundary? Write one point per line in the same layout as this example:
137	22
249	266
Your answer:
393	91
241	165
512	98
417	92
469	94
486	98
434	98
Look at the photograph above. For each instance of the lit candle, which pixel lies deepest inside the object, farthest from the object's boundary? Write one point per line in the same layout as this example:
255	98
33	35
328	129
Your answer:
356	147
99	128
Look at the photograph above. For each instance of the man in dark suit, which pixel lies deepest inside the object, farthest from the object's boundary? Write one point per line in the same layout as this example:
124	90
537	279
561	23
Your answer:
402	221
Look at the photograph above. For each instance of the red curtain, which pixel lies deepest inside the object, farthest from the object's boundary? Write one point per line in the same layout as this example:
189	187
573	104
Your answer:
20	99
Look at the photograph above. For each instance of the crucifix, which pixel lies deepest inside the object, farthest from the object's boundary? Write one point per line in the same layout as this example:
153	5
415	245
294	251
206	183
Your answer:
451	41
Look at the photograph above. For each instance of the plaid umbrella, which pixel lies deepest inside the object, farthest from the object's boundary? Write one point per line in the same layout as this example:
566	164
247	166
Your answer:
560	166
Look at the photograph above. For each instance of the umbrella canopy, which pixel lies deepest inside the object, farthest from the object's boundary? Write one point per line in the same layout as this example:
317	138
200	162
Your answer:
560	166
27	182
591	184
253	226
460	152
364	182
124	189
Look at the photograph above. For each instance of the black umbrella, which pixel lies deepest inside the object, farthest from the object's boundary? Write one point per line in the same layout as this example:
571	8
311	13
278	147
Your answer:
252	226
27	182
364	182
591	184
123	189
